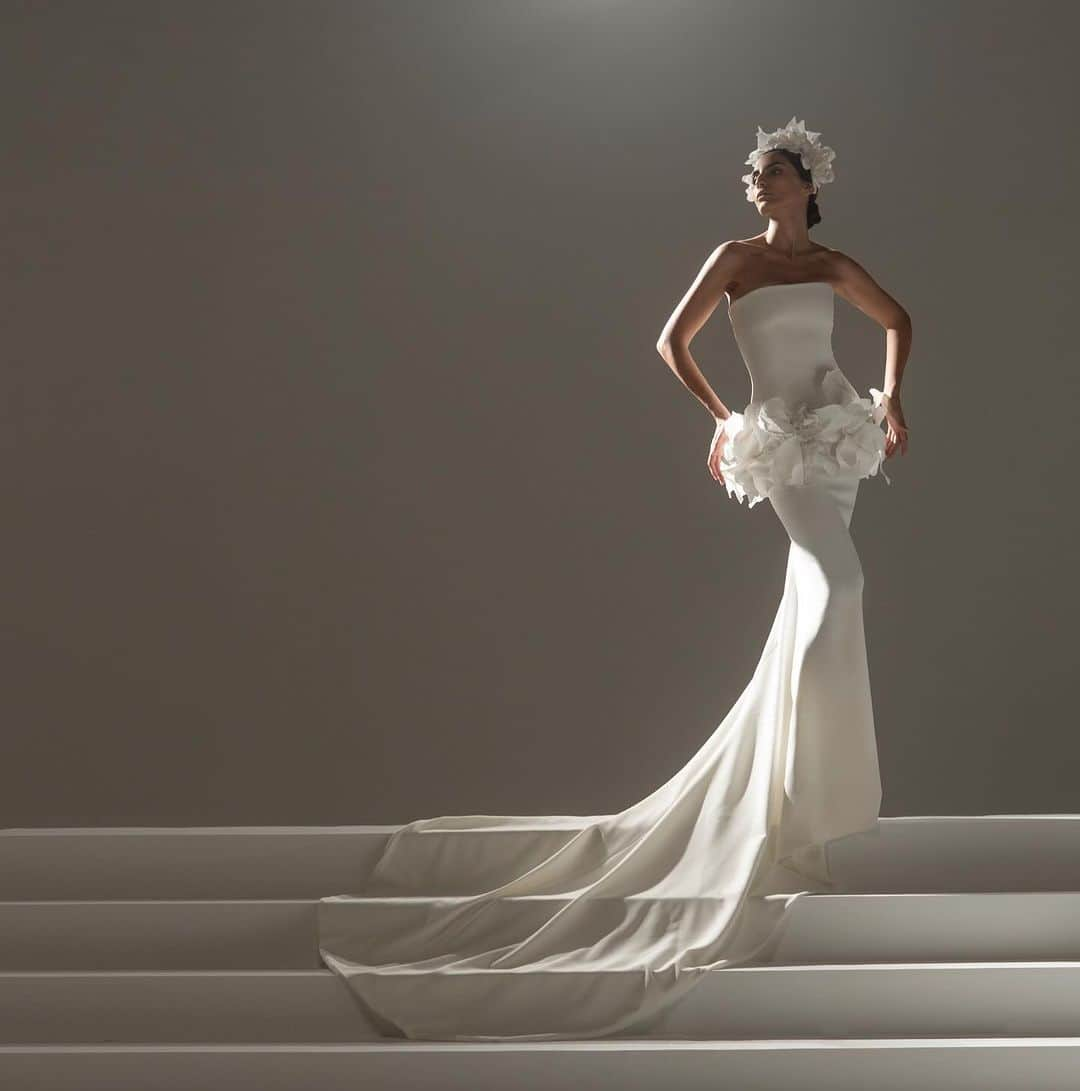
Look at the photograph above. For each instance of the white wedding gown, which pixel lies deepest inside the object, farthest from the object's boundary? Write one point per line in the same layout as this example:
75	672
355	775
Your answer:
595	925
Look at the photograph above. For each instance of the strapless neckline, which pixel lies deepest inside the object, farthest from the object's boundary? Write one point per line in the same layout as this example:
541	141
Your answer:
766	287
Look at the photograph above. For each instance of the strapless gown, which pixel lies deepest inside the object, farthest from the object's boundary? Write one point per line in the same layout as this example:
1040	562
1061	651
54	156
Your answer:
497	928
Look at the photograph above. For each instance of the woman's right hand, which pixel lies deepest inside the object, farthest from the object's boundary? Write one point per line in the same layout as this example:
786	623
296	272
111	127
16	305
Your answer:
716	449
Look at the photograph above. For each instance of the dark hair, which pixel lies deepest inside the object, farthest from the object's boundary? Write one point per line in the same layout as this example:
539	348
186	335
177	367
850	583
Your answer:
813	214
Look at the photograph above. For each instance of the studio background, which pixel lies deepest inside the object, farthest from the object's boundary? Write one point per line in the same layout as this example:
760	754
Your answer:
343	482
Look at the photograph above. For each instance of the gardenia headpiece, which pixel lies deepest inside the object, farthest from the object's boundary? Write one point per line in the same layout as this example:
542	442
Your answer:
816	157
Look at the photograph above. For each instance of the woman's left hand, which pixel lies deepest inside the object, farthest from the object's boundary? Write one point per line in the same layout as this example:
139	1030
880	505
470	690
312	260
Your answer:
897	431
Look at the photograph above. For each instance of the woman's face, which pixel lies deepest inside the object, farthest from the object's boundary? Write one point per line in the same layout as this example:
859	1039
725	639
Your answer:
775	183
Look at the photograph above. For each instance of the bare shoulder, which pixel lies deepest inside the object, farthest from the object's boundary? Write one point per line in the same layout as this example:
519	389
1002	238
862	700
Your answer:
728	250
853	282
700	300
733	256
723	263
745	248
848	276
843	266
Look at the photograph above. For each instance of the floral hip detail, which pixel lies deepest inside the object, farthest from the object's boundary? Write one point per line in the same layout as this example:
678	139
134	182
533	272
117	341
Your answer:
771	444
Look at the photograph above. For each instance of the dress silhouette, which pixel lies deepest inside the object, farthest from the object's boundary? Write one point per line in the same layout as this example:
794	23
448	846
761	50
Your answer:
593	926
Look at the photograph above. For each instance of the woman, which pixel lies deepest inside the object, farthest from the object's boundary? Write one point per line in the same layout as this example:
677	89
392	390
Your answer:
545	927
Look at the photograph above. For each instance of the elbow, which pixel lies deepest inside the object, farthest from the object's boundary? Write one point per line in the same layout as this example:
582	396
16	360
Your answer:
664	345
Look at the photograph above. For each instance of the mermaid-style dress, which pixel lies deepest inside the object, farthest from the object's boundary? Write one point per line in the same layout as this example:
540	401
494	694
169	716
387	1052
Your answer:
594	926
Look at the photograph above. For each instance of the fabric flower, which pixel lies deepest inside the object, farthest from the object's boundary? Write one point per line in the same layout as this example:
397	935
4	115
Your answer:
815	157
771	443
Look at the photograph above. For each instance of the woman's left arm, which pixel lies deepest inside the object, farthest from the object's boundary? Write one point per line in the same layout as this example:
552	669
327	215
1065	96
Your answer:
859	288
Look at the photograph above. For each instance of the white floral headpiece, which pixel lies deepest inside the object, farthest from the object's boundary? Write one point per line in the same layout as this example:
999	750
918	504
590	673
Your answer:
815	156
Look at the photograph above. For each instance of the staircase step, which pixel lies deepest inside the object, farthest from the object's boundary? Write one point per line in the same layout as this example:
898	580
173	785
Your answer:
186	862
931	927
282	935
160	935
884	1064
236	1006
835	1001
962	854
924	854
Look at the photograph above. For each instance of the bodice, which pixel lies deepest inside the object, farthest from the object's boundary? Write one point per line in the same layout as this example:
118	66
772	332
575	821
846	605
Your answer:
784	333
805	422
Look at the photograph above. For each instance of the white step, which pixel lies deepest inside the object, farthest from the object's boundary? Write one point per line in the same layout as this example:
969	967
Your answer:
983	853
281	935
160	935
991	853
179	1006
186	862
921	1000
884	1064
931	927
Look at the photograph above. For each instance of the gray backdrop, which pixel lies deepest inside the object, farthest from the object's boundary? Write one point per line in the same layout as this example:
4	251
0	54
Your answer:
343	482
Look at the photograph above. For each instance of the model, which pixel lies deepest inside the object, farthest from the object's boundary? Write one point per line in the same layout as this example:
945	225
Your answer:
496	928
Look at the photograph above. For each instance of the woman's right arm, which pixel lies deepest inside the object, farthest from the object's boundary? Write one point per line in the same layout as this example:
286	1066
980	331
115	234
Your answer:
689	316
